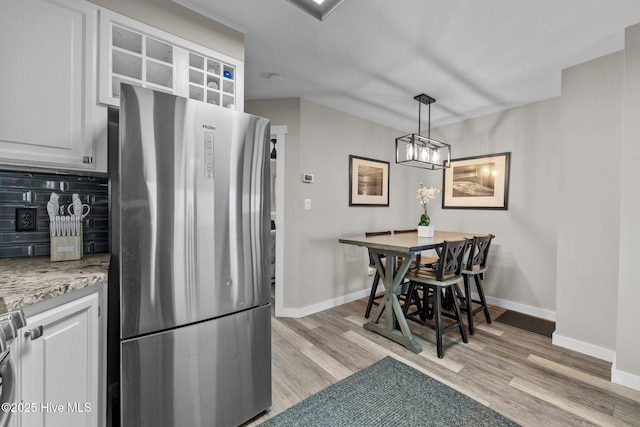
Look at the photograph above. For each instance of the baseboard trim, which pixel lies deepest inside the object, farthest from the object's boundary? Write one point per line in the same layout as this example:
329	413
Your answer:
522	308
624	378
583	347
324	305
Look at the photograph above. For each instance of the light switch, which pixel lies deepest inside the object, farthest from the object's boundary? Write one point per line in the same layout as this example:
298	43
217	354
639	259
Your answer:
307	204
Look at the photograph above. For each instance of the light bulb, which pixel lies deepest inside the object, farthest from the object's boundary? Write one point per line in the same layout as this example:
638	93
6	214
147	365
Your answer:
424	154
435	156
409	151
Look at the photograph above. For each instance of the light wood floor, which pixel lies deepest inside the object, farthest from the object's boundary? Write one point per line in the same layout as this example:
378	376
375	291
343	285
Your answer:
517	373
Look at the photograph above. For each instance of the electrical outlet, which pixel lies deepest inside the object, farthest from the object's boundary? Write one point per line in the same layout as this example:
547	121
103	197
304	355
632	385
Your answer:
26	219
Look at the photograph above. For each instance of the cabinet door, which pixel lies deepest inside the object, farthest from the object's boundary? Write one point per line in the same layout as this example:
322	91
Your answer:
129	55
135	53
59	370
48	84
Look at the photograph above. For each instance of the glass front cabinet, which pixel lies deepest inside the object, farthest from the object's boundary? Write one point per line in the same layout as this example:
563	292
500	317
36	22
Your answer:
142	55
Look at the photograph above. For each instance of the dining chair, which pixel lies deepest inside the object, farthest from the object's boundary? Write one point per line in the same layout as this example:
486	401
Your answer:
432	283
420	260
376	278
475	267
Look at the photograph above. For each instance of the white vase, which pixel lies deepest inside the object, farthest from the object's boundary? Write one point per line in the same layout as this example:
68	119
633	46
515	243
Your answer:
425	231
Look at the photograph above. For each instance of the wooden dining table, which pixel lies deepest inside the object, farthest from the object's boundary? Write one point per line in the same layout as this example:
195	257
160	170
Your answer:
406	247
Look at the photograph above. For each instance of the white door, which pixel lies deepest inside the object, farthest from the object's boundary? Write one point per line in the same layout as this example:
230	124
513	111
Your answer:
59	370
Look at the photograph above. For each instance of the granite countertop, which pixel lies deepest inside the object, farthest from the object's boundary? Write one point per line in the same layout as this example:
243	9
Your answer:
26	281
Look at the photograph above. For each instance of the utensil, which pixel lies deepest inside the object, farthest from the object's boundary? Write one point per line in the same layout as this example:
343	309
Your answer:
78	210
77	203
52	210
53	198
67	226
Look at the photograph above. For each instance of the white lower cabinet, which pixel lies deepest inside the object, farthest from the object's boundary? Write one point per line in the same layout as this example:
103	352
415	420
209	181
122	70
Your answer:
58	371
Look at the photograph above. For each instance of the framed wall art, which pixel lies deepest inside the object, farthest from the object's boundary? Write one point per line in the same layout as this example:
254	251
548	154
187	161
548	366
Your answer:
368	182
480	182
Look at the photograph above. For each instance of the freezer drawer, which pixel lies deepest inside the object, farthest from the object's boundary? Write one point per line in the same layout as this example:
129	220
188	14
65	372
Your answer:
216	372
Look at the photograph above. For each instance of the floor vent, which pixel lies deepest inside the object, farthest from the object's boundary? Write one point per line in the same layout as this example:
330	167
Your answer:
528	323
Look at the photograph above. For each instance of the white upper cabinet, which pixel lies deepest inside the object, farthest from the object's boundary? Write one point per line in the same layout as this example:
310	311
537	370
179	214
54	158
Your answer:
212	81
62	65
48	107
132	57
135	53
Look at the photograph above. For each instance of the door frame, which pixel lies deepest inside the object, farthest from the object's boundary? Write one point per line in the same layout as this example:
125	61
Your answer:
279	132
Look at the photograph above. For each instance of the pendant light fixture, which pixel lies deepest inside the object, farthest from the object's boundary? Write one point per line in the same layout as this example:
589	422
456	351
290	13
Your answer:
274	155
419	151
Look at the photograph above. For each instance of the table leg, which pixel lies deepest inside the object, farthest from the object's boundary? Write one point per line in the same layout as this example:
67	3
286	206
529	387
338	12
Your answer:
392	280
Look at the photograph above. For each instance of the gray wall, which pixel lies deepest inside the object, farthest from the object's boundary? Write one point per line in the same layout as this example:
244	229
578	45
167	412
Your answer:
564	249
523	254
589	206
626	366
321	272
598	293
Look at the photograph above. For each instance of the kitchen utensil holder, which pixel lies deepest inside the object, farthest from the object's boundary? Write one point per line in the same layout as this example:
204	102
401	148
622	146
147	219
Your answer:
66	248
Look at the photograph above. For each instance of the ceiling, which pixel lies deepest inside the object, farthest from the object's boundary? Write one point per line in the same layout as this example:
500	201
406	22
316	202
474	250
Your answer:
371	57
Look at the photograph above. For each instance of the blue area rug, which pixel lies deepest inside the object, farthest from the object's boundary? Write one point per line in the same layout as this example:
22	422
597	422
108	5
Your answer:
388	393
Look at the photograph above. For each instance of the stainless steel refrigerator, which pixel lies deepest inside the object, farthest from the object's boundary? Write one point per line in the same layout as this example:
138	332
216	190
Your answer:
191	229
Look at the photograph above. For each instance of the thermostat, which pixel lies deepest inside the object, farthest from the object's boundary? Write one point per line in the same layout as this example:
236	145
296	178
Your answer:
307	177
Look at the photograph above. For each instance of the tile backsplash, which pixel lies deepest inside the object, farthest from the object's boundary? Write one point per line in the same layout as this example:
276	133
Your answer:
32	190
